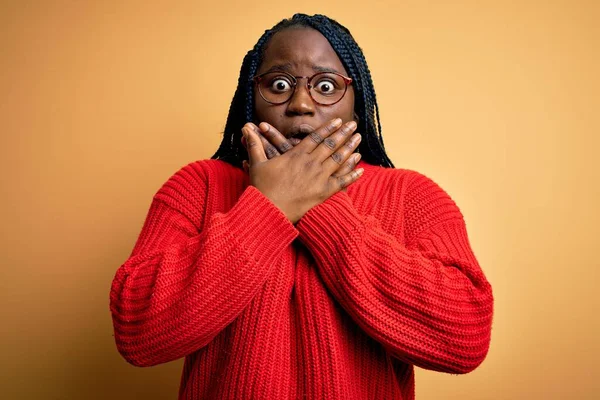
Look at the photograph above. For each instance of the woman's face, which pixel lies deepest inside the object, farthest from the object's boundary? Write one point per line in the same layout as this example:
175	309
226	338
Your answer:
301	52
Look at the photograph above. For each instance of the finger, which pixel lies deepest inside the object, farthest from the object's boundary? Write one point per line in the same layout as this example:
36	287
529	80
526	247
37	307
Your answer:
245	166
309	143
342	154
334	142
348	166
256	151
247	125
275	137
341	182
270	150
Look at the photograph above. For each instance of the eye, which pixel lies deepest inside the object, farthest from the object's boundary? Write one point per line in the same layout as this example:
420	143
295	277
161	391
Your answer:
280	85
325	86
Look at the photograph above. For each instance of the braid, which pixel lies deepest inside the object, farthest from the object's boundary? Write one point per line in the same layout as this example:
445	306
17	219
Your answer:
353	59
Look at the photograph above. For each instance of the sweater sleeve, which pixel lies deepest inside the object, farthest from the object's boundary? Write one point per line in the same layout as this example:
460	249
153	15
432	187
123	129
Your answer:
187	280
424	298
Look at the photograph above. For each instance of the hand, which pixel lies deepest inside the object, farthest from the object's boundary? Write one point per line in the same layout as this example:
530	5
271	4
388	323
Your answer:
303	176
276	144
273	141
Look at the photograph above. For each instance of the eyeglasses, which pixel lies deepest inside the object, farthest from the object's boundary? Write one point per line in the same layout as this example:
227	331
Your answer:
325	88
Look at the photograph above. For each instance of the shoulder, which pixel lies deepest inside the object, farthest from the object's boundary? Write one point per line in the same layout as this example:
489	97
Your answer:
189	184
412	184
403	182
424	202
427	204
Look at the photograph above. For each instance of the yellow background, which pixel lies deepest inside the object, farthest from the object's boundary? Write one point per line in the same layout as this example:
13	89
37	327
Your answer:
102	101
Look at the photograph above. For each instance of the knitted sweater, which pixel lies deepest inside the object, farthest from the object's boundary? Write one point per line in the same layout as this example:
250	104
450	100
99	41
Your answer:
342	305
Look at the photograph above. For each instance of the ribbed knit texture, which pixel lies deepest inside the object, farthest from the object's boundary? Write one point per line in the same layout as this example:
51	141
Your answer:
341	306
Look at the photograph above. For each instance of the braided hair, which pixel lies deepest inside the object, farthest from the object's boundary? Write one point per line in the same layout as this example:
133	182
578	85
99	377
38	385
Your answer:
365	104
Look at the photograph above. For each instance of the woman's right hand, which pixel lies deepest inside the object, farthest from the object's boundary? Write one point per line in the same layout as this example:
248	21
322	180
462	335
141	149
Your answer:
310	172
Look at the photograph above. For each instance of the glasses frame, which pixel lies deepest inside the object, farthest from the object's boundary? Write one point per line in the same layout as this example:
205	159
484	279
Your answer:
258	78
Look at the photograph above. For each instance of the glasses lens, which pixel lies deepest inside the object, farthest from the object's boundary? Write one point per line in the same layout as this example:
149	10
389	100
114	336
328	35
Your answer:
327	88
276	87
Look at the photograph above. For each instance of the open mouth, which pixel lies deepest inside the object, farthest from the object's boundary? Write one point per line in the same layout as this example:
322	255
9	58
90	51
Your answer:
299	132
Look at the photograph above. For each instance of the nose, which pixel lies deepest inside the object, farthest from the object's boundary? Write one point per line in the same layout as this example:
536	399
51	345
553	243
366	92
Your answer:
301	103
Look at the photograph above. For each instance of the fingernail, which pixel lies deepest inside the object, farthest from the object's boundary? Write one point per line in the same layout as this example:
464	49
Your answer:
263	126
357	158
352	125
337	122
360	171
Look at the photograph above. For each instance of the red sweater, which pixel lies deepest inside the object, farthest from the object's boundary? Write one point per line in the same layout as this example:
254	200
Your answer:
340	306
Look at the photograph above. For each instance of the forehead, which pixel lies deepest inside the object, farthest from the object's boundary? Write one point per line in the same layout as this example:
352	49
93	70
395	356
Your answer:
301	48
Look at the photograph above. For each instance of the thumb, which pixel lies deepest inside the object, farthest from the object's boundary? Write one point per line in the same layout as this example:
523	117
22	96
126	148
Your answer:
256	151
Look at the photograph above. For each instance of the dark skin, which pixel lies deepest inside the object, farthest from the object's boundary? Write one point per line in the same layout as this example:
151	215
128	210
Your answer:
292	168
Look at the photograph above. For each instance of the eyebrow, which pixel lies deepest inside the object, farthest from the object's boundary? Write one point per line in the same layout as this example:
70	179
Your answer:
318	68
287	67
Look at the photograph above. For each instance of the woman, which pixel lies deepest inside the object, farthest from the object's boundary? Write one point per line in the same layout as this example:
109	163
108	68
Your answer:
296	274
